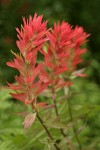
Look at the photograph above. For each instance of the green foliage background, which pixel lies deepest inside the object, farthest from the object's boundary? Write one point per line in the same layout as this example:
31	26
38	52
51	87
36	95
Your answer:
86	104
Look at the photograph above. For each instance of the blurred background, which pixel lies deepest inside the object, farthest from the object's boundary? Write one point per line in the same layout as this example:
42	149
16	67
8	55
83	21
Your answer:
85	13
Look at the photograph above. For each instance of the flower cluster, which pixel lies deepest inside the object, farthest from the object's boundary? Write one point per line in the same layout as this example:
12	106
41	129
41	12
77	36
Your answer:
63	53
31	39
61	47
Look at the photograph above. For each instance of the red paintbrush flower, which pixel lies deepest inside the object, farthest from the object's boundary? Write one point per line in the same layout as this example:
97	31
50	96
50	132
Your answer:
31	39
64	49
63	52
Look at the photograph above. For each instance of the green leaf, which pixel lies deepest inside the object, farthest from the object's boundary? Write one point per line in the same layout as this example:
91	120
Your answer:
58	125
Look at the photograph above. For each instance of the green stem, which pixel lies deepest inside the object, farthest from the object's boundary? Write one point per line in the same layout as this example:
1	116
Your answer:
47	131
72	120
57	114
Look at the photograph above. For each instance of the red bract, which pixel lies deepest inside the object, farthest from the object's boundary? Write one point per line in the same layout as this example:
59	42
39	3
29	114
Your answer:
58	46
64	48
31	39
32	35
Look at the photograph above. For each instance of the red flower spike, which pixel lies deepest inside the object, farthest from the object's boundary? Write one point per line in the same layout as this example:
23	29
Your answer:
64	46
31	39
63	52
32	34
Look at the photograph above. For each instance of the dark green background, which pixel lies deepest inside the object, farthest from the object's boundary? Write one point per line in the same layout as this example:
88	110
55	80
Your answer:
84	13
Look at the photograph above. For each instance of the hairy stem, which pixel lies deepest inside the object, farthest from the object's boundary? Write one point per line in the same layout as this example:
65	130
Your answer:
72	120
56	111
57	114
47	131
